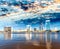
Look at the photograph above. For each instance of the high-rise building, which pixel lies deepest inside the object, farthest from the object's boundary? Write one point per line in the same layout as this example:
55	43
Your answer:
28	27
41	27
47	24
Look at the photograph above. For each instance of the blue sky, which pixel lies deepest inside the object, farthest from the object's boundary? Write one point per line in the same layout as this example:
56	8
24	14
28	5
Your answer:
22	25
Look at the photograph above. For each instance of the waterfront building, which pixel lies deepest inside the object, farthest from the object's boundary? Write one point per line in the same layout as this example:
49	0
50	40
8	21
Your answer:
47	24
41	27
7	33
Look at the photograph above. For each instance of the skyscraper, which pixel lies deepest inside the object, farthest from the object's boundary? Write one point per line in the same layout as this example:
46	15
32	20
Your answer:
41	27
47	24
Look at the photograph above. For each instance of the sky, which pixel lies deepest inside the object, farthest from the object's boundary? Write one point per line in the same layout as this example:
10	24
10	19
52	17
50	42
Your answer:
18	24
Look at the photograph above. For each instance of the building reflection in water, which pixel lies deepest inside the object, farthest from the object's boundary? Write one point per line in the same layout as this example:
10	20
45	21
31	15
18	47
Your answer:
56	35
48	40
28	34
35	42
48	35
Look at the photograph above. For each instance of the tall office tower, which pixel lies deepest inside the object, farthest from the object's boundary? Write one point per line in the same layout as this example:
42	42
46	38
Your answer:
41	27
28	27
47	24
35	29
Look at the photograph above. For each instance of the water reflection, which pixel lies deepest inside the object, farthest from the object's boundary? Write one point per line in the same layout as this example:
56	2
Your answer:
30	36
56	35
35	38
42	36
48	40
